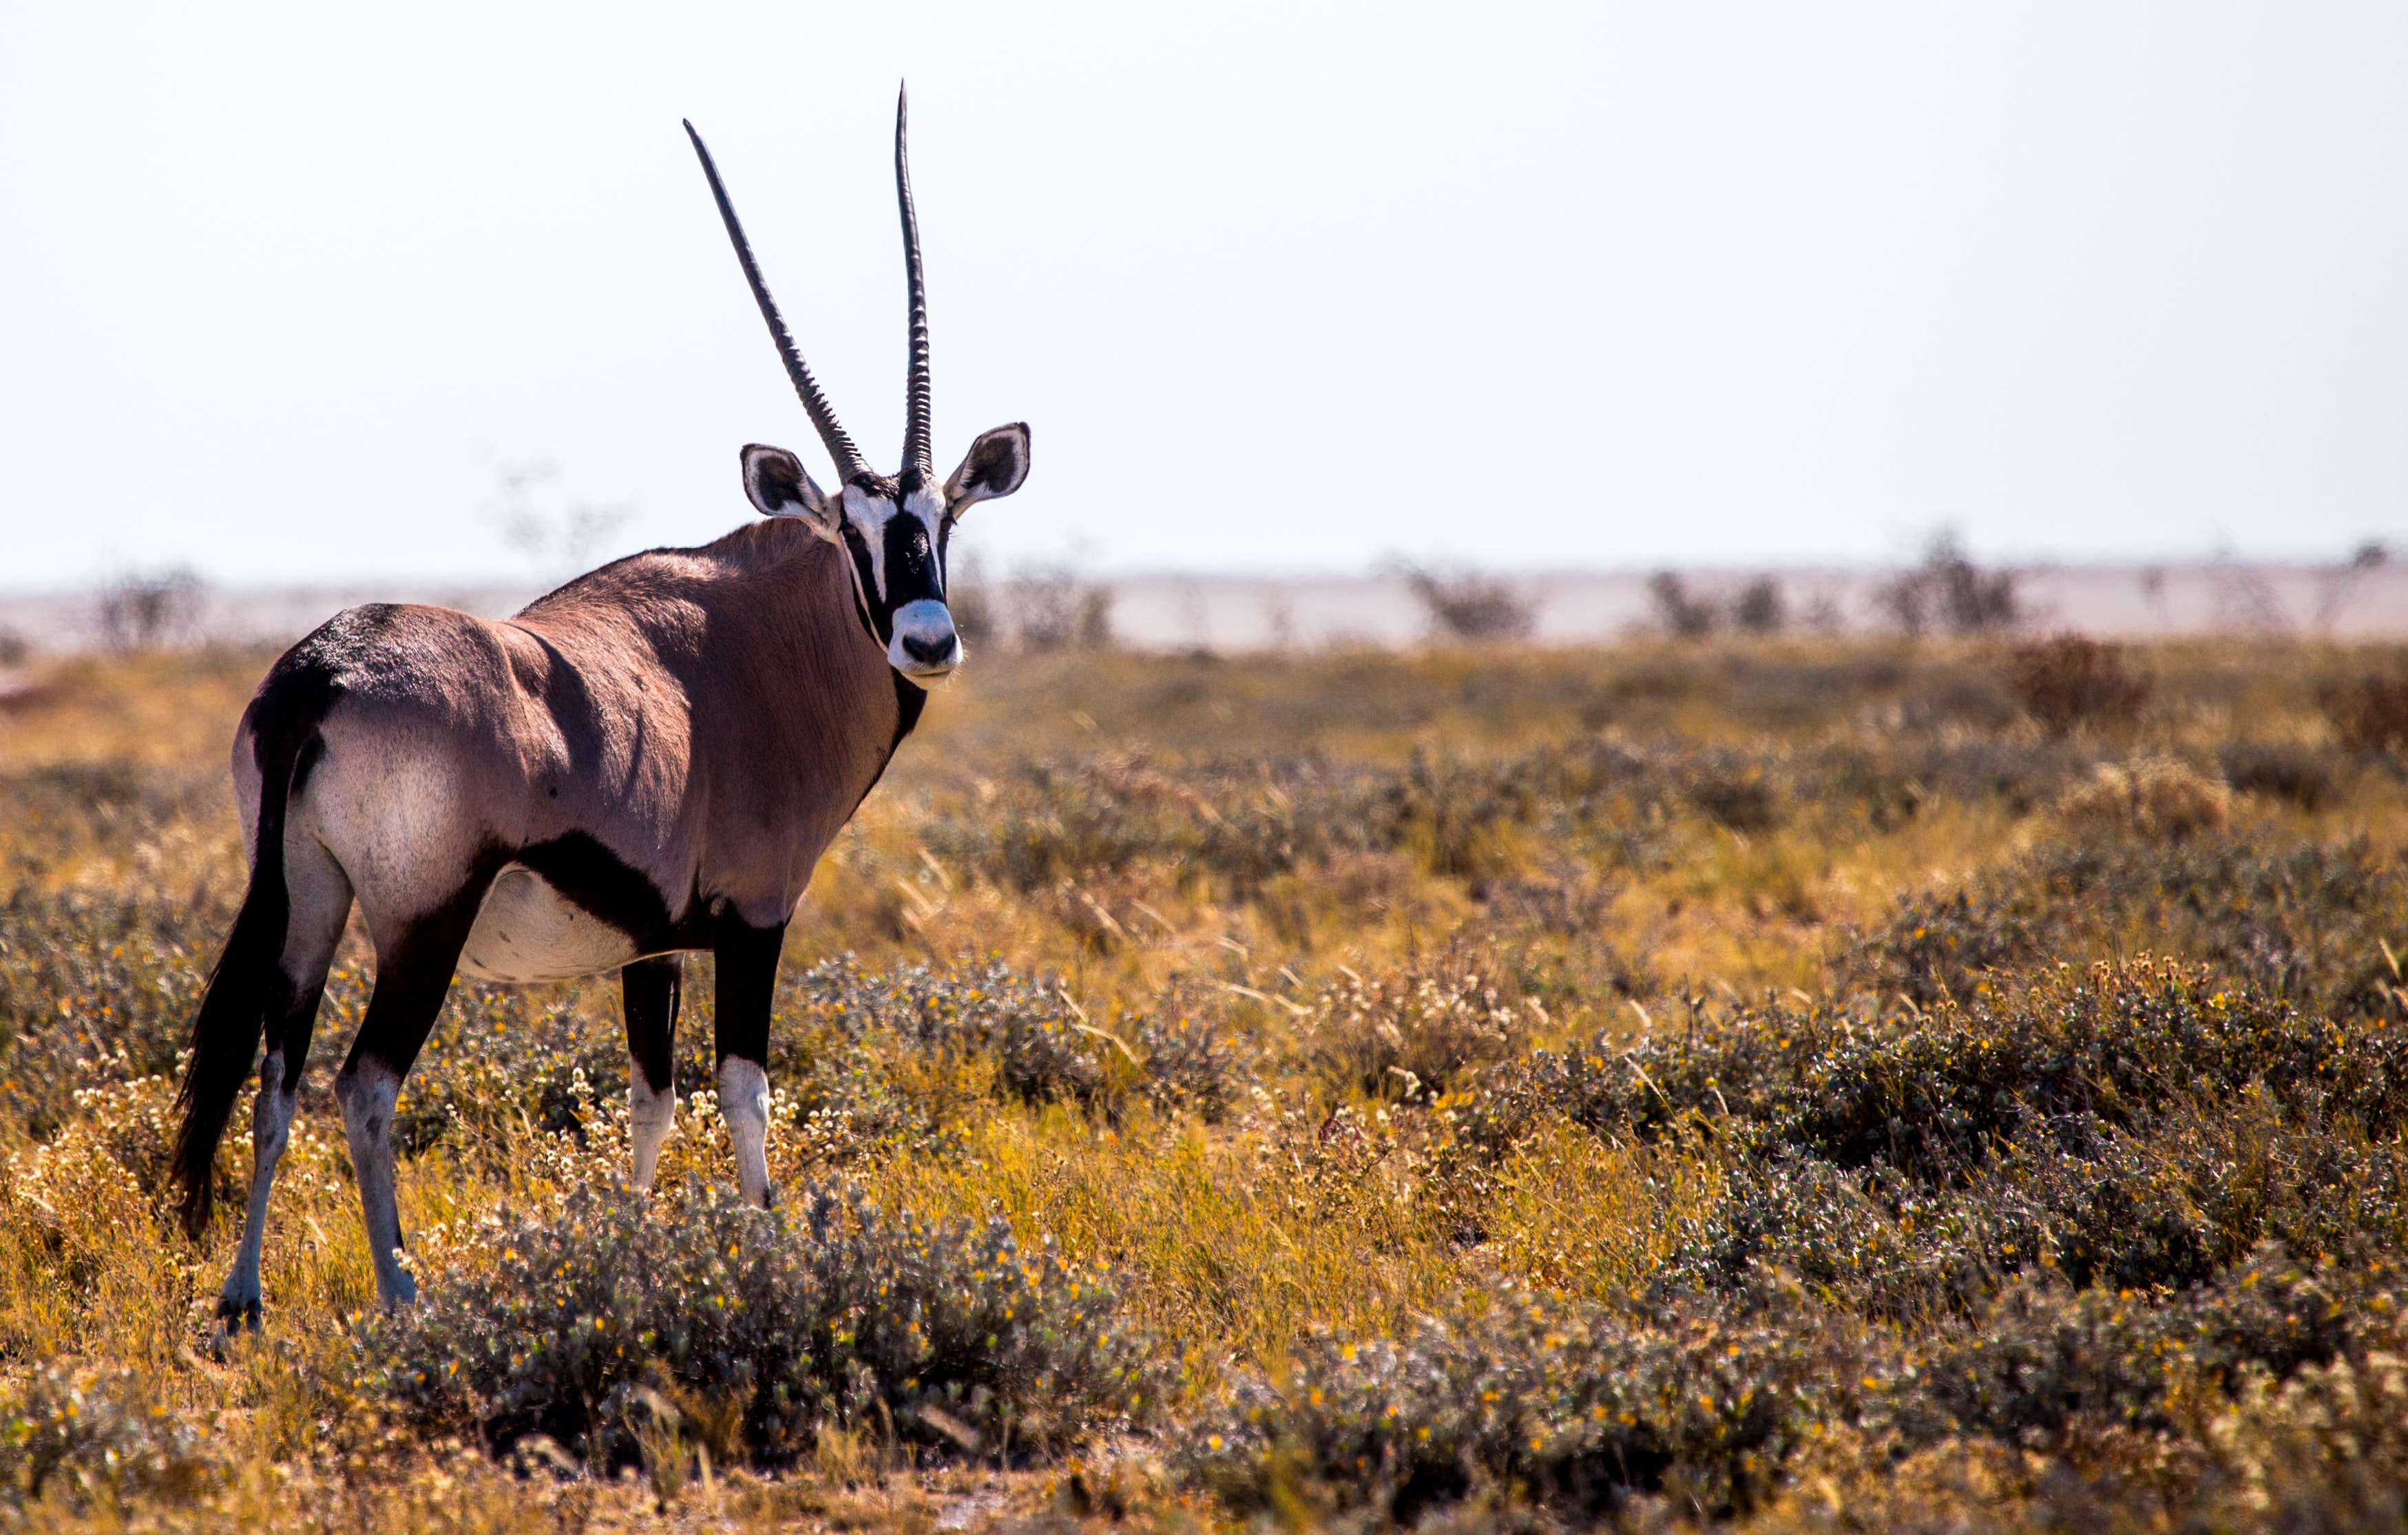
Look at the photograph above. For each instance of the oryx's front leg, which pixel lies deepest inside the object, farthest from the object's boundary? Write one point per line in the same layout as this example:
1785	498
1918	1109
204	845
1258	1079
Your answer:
648	991
748	980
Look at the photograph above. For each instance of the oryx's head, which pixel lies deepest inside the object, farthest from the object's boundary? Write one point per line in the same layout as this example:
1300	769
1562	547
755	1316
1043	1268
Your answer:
892	529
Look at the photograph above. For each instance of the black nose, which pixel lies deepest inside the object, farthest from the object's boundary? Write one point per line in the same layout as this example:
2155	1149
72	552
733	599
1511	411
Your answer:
927	650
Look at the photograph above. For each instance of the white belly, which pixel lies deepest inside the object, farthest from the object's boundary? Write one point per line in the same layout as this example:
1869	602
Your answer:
528	931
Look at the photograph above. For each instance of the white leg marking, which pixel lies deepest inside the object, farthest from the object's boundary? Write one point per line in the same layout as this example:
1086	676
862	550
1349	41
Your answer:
367	1096
649	1115
271	1120
744	1103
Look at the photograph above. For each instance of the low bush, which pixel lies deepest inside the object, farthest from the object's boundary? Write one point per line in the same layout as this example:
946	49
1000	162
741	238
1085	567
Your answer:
2298	775
91	984
1042	1046
1574	1410
502	1060
774	1326
58	811
2069	680
2303	921
82	1435
2151	796
1412	1032
2371	714
2043	1357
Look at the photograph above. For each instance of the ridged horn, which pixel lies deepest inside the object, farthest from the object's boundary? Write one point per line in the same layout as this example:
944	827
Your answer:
849	462
915	423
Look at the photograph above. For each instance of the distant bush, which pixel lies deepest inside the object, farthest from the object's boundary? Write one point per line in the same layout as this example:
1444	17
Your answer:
141	610
1677	614
1472	606
2370	714
1052	608
769	1329
1742	797
1949	591
1760	608
2155	797
2300	775
2071	680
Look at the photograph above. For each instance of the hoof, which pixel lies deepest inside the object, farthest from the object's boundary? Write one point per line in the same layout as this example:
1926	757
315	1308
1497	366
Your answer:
236	1317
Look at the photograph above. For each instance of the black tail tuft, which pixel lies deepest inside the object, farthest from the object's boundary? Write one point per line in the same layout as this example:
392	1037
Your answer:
250	977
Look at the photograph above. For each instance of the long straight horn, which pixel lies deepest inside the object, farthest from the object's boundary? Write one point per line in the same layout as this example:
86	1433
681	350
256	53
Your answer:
915	423
849	462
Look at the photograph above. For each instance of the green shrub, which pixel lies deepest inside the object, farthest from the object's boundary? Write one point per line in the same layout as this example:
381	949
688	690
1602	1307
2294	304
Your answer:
2303	921
502	1060
2071	680
2298	775
834	1016
1573	1410
1412	1032
56	811
91	984
2043	1357
2370	714
840	1316
93	1434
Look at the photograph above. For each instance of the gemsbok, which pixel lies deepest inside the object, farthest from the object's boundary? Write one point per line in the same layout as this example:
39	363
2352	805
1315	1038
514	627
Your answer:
647	761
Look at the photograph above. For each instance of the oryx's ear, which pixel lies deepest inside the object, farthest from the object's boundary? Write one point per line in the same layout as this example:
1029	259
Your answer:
775	481
995	464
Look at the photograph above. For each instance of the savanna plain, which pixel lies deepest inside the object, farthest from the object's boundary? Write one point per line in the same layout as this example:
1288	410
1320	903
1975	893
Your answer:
1785	1085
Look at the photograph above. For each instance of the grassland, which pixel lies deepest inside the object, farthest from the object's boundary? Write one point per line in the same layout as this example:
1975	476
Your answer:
1785	1086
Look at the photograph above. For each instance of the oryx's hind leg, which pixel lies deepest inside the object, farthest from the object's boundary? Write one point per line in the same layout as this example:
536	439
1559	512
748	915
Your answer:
747	983
413	972
320	901
648	991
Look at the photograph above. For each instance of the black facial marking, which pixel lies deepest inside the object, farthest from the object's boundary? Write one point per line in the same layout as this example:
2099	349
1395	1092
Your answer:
911	571
909	699
877	615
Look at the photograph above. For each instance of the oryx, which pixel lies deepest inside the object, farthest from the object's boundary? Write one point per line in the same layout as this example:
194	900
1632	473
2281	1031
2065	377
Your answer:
648	760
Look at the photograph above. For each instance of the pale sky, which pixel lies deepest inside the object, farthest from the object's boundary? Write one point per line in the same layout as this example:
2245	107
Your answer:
1279	287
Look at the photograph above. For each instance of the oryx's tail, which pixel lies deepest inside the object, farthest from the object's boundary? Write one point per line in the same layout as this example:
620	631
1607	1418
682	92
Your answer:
250	976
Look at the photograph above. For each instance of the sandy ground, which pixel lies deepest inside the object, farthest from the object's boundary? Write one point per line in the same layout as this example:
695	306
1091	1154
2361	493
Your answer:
1247	613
